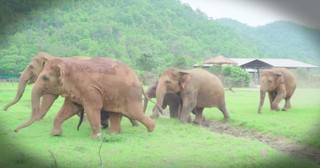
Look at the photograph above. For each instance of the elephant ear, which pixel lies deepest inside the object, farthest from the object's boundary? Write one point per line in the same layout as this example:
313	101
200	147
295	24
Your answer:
278	78
42	57
184	78
61	70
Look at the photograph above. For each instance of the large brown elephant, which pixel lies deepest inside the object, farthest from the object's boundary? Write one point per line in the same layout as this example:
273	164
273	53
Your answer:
198	89
95	84
170	99
30	75
280	84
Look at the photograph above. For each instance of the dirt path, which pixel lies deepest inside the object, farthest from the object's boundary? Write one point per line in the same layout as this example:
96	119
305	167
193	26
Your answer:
281	144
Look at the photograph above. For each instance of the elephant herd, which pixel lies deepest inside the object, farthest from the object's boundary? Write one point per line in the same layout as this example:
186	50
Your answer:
107	89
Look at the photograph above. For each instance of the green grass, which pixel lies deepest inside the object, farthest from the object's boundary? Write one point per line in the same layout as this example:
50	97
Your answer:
301	123
172	144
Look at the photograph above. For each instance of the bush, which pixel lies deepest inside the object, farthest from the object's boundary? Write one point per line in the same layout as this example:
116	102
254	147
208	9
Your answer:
232	76
236	76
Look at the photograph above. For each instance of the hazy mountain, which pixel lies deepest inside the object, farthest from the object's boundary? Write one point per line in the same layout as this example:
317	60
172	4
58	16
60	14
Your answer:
280	39
148	35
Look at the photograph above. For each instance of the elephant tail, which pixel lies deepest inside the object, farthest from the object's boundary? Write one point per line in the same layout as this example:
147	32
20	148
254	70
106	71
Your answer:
146	99
81	114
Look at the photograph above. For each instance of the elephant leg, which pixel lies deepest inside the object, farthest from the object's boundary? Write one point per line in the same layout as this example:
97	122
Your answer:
115	120
133	122
155	112
287	104
46	103
187	106
199	116
93	116
276	101
271	99
104	119
67	110
134	110
223	109
174	109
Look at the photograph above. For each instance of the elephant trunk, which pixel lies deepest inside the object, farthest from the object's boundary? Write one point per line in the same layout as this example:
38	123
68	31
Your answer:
145	100
160	93
145	104
262	97
23	80
35	103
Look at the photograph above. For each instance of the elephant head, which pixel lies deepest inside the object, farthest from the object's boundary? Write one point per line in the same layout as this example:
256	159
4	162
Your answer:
171	81
30	75
269	81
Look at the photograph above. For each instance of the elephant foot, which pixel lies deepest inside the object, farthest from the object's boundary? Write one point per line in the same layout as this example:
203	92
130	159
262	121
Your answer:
226	119
189	120
196	122
104	125
286	108
114	131
95	135
275	109
204	119
151	127
56	132
154	115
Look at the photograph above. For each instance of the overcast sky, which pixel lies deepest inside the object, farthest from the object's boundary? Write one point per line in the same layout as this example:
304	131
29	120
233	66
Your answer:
260	12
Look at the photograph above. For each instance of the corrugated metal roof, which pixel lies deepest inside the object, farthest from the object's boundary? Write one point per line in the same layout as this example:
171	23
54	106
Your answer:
241	61
286	63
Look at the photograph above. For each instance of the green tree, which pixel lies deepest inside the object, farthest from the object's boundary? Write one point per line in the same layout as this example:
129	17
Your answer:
146	62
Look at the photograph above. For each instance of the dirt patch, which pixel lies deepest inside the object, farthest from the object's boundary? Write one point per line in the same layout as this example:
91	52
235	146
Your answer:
281	144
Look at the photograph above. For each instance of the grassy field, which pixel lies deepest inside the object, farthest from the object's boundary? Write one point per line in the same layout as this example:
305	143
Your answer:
172	144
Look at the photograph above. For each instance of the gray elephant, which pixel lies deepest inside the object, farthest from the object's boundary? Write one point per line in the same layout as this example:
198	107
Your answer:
198	89
280	84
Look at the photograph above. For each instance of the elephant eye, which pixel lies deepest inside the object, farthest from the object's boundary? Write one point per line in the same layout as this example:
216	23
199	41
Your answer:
45	78
168	82
269	81
31	67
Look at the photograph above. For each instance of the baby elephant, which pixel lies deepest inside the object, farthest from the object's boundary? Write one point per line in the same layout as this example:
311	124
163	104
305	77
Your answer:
172	100
280	84
104	117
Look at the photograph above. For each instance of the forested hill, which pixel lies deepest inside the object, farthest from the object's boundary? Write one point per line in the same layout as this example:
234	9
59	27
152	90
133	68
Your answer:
280	39
146	34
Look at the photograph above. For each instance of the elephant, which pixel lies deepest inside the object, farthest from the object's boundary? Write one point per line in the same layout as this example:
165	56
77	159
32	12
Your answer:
29	76
280	84
198	89
104	117
95	84
170	99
